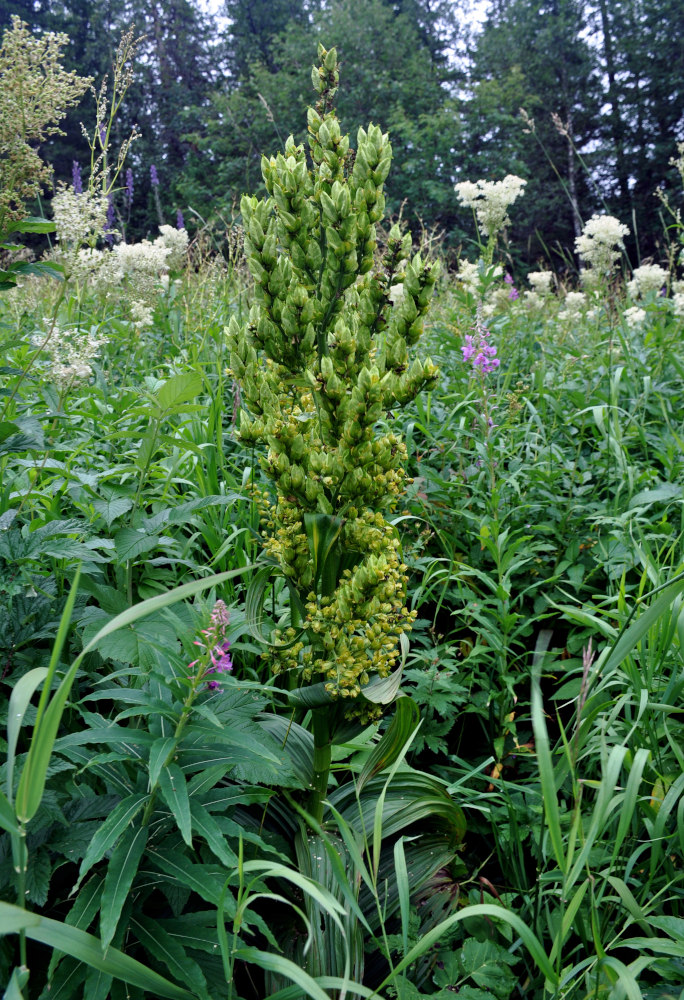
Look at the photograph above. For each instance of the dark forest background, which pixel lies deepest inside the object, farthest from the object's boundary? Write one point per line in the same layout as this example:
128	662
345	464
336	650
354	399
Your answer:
602	83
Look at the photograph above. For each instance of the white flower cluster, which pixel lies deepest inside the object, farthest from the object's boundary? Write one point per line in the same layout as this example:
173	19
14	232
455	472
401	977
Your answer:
634	316
79	218
176	242
469	275
574	305
71	352
491	201
645	279
601	242
542	282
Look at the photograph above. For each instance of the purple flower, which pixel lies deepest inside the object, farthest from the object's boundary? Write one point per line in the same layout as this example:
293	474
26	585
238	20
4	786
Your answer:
180	221
154	176
76	177
513	294
103	134
479	352
129	187
509	279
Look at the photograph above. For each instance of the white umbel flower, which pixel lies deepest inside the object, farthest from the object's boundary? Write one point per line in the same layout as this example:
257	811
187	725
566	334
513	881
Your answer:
176	242
634	317
542	282
491	201
601	242
79	217
645	279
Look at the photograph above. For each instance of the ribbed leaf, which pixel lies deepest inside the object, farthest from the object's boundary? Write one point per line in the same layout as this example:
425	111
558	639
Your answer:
123	867
170	953
282	967
22	692
159	753
8	821
206	826
406	718
175	793
113	827
88	949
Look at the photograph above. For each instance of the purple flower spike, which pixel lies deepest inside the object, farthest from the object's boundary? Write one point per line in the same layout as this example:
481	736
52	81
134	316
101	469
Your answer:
180	221
513	294
154	176
109	232
103	134
129	187
76	177
479	352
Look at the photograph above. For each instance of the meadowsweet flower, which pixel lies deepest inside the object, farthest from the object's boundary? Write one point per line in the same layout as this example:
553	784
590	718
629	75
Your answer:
645	279
678	303
70	353
601	242
175	242
79	217
469	275
141	314
491	201
542	282
142	265
574	305
634	316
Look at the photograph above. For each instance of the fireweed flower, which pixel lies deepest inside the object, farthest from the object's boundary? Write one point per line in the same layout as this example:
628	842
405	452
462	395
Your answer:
154	176
478	351
180	221
215	658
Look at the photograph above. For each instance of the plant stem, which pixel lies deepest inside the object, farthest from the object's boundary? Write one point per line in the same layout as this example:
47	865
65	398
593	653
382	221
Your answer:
321	762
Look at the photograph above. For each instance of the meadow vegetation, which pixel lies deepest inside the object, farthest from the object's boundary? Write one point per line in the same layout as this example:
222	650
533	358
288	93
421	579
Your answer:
341	601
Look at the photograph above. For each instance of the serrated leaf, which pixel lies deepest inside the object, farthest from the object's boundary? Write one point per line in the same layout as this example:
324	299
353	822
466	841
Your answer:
109	832
175	793
131	542
112	508
177	390
122	869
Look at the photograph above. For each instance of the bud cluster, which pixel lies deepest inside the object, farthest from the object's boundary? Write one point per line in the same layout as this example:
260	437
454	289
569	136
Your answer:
321	360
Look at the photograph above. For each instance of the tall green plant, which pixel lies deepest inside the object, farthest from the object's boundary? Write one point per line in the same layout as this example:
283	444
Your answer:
321	360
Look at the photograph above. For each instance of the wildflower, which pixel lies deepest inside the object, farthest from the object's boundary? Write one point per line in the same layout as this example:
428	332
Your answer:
129	187
491	201
575	303
469	275
215	646
541	281
601	242
479	352
645	279
76	180
71	352
180	221
175	242
109	232
79	217
154	176
678	303
634	316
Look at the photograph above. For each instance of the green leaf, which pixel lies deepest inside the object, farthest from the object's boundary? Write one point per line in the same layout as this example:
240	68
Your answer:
632	635
18	980
112	508
167	950
123	867
176	391
405	720
175	793
132	542
113	827
20	699
206	826
31	224
88	949
322	531
8	821
32	780
159	754
282	967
